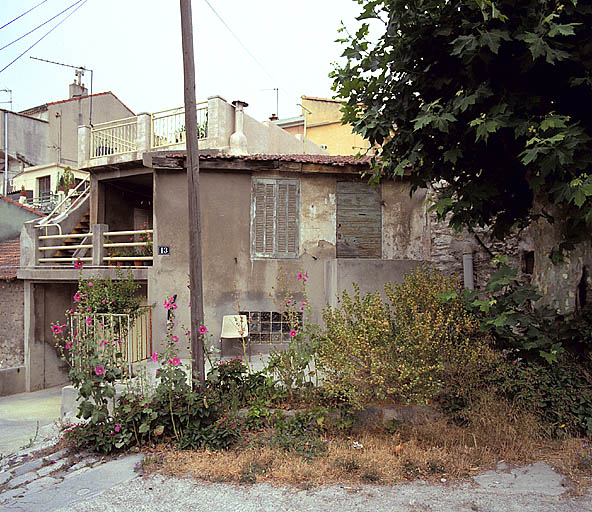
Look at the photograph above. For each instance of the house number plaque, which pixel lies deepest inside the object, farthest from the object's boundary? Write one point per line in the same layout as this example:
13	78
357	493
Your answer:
164	250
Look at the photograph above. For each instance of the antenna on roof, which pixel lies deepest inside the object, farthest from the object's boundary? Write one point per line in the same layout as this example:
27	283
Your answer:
10	100
79	73
277	100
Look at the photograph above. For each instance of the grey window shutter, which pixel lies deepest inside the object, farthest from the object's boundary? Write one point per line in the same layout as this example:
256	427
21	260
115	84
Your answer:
275	218
263	218
287	218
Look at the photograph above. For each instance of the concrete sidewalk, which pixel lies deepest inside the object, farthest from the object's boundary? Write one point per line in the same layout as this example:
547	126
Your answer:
22	414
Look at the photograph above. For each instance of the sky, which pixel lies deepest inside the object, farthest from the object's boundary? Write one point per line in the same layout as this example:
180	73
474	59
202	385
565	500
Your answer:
134	50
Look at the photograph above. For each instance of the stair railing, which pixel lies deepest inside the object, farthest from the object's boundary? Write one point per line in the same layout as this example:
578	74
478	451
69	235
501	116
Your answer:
82	189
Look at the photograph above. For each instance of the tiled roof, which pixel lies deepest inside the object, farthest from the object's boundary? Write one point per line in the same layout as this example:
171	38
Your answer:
22	206
9	258
334	160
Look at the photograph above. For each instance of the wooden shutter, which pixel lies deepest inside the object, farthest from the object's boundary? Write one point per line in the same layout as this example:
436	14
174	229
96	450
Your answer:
287	219
275	218
359	220
263	197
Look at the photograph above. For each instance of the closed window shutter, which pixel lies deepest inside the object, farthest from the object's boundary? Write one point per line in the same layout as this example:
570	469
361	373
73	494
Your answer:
275	220
263	222
359	220
287	219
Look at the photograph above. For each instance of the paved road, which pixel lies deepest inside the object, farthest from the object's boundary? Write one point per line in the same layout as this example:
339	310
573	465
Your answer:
20	414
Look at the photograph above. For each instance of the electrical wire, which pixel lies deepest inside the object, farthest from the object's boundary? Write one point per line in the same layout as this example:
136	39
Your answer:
39	26
247	50
20	16
43	37
239	41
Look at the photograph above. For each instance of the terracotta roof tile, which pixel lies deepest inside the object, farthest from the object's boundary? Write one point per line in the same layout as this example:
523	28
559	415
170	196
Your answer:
335	160
10	257
22	206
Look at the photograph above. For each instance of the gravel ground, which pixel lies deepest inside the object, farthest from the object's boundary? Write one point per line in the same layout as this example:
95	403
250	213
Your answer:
498	491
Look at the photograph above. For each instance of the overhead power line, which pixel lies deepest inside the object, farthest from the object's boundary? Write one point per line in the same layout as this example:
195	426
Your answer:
39	26
21	15
239	41
42	37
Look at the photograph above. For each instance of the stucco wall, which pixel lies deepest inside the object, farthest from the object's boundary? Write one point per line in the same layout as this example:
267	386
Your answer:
63	129
12	324
27	136
228	269
12	218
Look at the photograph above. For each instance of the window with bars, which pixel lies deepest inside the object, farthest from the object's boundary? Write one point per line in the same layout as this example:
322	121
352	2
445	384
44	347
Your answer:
275	218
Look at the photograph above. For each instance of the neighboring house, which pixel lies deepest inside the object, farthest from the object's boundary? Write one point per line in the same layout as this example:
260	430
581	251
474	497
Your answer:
320	123
23	142
43	181
46	137
12	371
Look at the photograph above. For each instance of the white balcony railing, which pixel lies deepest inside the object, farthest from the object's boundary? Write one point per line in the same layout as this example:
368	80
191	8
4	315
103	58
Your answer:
166	129
114	138
168	126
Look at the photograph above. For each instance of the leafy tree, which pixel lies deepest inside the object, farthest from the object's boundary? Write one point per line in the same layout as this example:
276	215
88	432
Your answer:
490	99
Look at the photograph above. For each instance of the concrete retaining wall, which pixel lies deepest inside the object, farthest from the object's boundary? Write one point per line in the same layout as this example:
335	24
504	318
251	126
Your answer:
12	381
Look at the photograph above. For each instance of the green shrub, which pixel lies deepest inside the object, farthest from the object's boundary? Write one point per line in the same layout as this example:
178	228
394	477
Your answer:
402	350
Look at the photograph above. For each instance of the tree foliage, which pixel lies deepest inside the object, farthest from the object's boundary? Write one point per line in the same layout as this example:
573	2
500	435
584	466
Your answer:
491	99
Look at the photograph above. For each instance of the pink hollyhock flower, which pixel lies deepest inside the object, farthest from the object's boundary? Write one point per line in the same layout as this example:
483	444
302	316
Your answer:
155	356
68	346
292	333
99	370
90	283
104	300
89	321
176	361
117	427
306	275
203	329
188	333
76	297
57	329
288	301
78	264
299	275
174	338
156	373
71	311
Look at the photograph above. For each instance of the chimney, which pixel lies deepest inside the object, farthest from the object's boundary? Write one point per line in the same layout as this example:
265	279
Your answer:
238	140
273	117
78	90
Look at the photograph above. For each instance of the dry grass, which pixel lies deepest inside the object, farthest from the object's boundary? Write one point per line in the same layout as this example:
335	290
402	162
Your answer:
433	451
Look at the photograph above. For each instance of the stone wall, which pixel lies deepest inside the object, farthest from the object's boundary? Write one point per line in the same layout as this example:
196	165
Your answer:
11	326
447	247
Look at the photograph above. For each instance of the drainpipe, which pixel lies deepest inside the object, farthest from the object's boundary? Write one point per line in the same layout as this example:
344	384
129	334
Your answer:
468	267
238	140
5	153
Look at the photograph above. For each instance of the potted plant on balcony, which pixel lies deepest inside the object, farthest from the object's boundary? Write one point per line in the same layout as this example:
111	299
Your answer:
116	252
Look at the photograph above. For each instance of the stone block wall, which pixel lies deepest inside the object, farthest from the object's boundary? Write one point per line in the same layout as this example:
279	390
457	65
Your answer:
447	247
12	323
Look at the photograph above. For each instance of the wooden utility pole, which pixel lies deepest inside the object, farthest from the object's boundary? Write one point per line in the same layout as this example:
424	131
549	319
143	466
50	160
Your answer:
195	274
